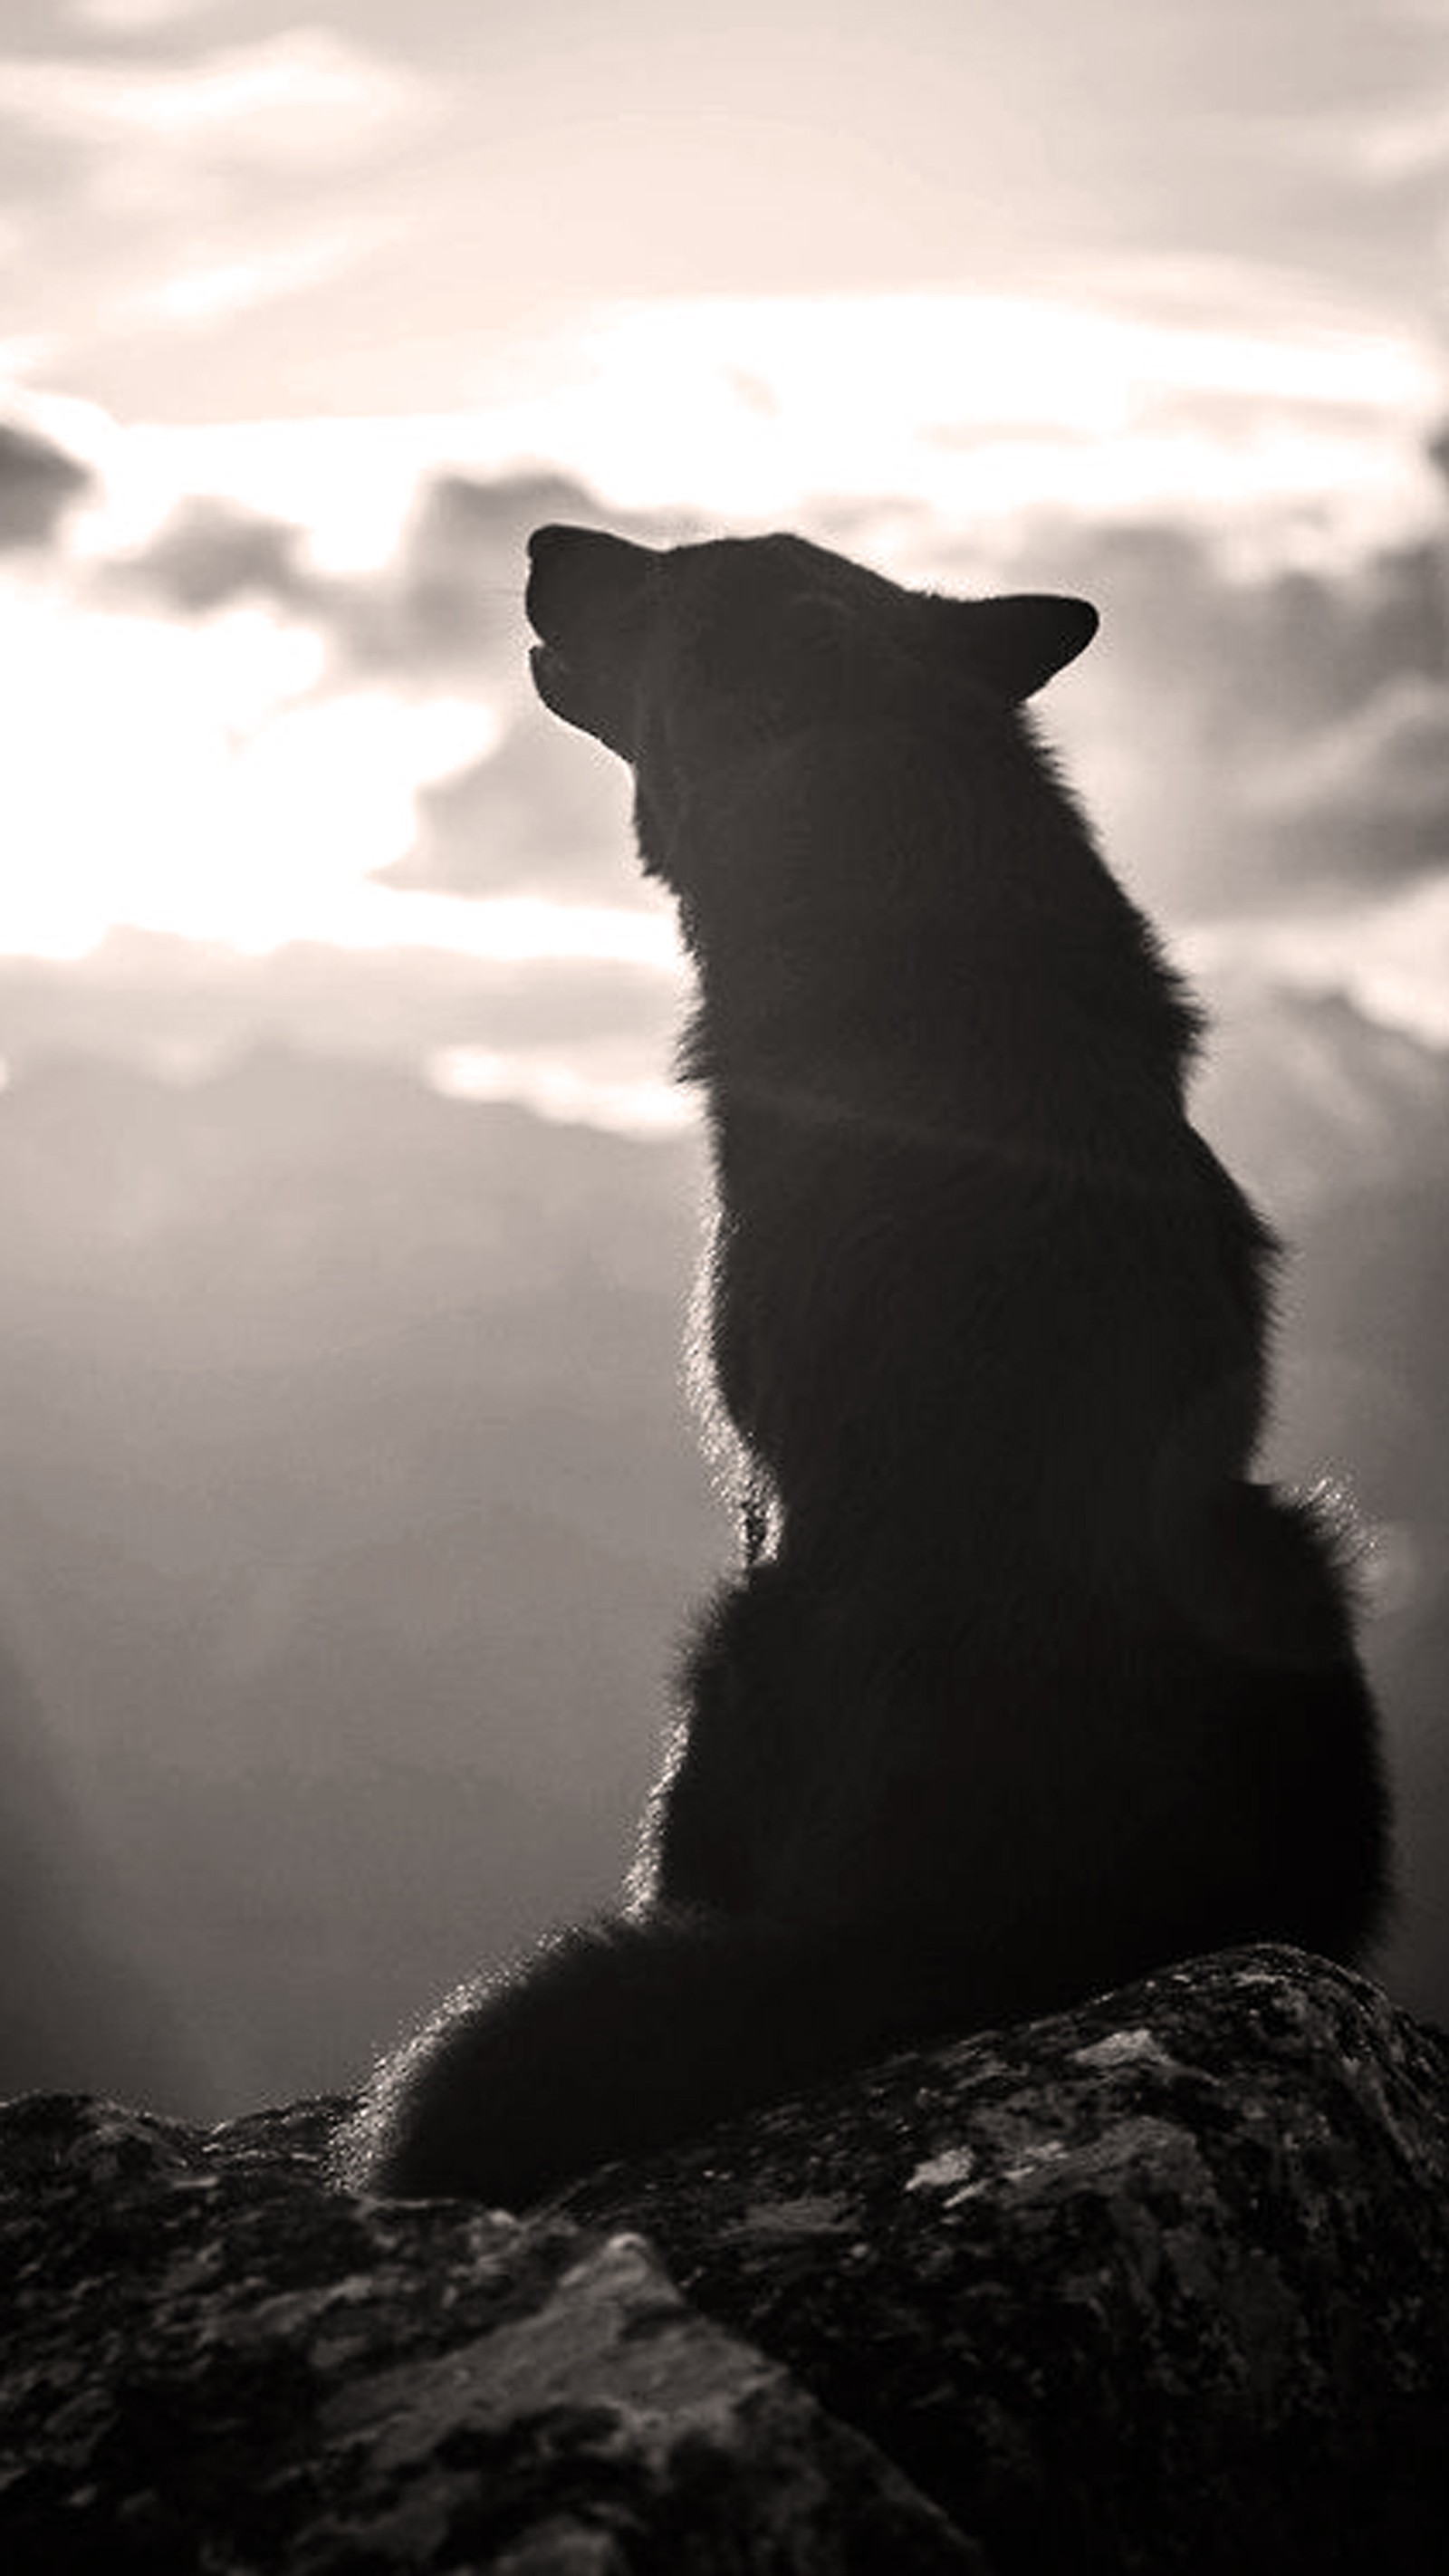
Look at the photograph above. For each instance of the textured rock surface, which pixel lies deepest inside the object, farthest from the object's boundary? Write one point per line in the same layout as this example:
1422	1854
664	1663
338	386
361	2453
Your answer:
210	2361
1158	2285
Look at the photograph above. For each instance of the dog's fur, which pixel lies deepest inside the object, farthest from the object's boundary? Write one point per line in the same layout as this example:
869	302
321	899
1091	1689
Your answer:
1026	1686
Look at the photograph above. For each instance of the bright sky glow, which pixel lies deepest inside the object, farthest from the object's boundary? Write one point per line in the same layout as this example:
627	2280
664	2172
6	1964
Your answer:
964	271
223	795
987	403
229	792
976	406
185	780
208	293
285	100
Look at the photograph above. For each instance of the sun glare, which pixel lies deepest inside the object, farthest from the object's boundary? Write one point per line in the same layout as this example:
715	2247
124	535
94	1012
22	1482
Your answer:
974	405
190	779
114	773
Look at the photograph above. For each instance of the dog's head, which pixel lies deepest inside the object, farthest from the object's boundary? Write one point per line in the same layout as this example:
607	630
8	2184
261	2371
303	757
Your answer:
691	652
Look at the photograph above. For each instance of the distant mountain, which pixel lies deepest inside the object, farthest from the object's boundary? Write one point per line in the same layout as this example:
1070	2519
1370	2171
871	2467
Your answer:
351	1513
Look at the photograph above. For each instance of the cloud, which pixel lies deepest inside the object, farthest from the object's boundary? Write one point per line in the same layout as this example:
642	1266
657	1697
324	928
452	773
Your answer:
1412	144
544	814
1257	741
1393	145
296	98
1261	741
1386	953
1203	388
1367	795
448	601
139	17
1252	738
151	195
209	554
39	483
217	291
452	597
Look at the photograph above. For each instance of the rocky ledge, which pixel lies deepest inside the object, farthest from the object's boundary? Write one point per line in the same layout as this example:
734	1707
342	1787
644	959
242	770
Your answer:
1158	2284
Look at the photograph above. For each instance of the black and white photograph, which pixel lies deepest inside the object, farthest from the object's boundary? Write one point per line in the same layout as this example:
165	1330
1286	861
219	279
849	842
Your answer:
724	1287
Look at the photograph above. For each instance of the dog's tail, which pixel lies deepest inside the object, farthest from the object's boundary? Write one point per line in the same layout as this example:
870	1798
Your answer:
621	2038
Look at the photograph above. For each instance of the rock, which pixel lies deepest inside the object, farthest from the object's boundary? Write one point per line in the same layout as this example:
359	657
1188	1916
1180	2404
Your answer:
211	2360
1161	2284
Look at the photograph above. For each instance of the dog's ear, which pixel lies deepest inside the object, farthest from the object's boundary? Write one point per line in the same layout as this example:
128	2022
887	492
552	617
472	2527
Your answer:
1016	644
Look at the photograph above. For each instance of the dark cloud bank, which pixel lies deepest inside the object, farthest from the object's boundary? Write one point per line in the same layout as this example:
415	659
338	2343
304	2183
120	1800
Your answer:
1272	739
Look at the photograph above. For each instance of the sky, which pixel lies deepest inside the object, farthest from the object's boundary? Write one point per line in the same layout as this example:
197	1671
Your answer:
307	319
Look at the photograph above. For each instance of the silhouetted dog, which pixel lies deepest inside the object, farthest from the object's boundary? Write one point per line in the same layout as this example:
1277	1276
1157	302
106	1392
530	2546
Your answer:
1025	1687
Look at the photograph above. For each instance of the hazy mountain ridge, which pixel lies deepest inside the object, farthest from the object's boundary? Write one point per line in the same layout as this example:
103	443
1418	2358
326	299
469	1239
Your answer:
352	1509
